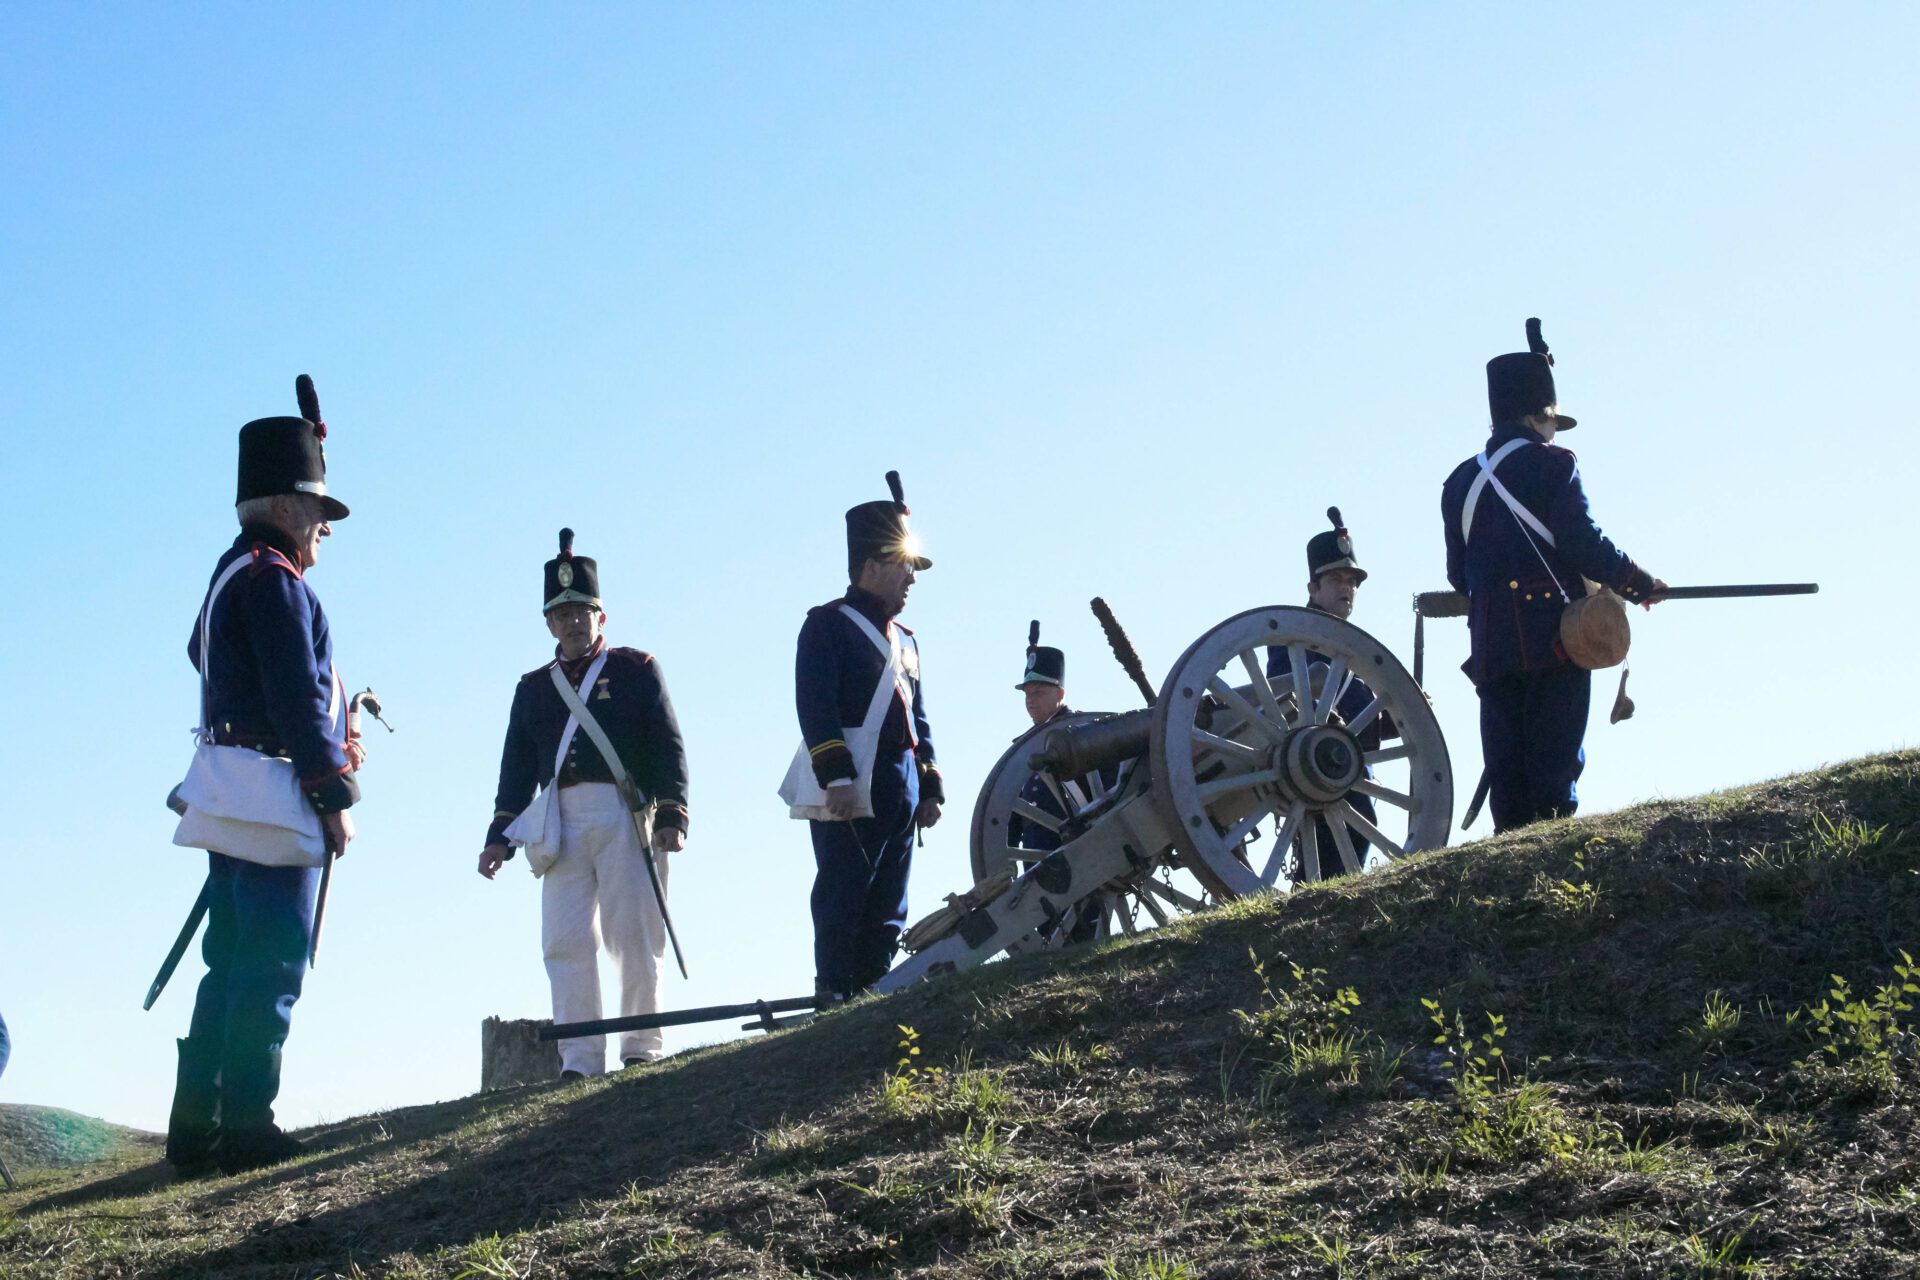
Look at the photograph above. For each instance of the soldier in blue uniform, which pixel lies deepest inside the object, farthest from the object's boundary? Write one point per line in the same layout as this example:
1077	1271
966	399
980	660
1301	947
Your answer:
855	664
270	687
1521	544
591	863
1043	686
1333	583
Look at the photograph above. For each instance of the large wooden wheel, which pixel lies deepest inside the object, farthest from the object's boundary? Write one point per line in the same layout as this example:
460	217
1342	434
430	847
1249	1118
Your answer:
1257	776
1148	897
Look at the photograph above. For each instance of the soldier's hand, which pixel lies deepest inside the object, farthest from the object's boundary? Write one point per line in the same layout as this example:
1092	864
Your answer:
928	813
1655	594
356	755
492	858
843	801
338	829
669	839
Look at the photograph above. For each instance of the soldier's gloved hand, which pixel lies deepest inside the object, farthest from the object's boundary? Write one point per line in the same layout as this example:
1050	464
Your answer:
1655	594
927	814
843	800
669	839
492	858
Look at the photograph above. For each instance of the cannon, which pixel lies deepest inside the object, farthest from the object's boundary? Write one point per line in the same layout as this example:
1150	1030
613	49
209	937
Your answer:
1231	783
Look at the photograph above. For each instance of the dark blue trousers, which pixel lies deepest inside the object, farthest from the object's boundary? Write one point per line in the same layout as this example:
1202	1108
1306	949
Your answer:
259	925
1531	726
860	883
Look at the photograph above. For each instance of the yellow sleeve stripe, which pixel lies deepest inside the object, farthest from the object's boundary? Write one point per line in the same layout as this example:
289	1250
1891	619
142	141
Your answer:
829	745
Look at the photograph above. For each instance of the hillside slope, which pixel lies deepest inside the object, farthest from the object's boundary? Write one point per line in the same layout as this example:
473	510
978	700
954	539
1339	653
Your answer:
52	1138
1664	1102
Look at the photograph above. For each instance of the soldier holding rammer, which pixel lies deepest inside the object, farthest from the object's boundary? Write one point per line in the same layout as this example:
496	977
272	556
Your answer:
1521	544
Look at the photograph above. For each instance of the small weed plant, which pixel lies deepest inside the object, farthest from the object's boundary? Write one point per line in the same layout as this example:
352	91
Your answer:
1157	1266
1486	1120
1719	1020
1301	1035
1576	896
909	1089
1862	1043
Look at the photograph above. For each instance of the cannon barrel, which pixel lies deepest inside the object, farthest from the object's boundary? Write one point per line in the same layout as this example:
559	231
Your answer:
1079	750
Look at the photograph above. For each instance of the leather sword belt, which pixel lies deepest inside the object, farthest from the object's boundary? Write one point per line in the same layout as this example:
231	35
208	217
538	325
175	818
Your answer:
226	735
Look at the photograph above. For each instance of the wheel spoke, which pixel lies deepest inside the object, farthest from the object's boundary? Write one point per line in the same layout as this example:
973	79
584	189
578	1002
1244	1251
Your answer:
1349	858
1262	691
1309	852
1367	716
1353	819
1331	691
1387	755
1052	785
1283	844
1154	909
1301	672
1210	791
1078	800
1226	747
1246	825
1126	918
1398	799
1038	816
1231	696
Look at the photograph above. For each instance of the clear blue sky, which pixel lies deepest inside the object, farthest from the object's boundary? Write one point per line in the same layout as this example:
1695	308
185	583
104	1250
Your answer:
1128	293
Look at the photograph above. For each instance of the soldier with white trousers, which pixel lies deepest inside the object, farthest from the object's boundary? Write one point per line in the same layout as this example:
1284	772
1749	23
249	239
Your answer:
587	730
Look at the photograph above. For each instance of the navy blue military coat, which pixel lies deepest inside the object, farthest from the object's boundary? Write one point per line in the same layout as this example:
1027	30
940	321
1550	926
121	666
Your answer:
1513	603
630	702
270	680
836	668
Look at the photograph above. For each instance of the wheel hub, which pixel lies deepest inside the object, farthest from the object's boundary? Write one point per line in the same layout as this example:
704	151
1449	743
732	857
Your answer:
1320	764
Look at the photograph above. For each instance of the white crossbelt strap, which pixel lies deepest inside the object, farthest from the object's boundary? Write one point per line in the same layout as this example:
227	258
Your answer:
204	733
579	715
1487	477
889	647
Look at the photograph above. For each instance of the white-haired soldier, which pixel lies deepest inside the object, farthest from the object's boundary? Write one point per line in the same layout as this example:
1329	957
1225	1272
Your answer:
270	687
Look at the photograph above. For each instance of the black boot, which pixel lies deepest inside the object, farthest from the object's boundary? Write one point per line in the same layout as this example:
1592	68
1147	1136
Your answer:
249	1139
242	1150
193	1127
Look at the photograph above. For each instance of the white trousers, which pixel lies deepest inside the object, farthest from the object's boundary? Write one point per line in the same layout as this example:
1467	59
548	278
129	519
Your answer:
597	891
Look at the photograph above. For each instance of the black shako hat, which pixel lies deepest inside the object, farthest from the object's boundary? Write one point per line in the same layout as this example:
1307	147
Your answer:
570	579
1332	549
1044	665
285	455
878	531
1522	383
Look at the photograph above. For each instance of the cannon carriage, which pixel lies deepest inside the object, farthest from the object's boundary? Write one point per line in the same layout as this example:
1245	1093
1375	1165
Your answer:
1232	782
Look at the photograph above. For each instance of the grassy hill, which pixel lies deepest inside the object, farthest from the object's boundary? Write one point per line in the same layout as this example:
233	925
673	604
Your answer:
52	1138
1683	1087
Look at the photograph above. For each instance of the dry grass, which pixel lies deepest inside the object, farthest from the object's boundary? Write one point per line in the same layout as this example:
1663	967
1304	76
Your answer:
1660	1105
